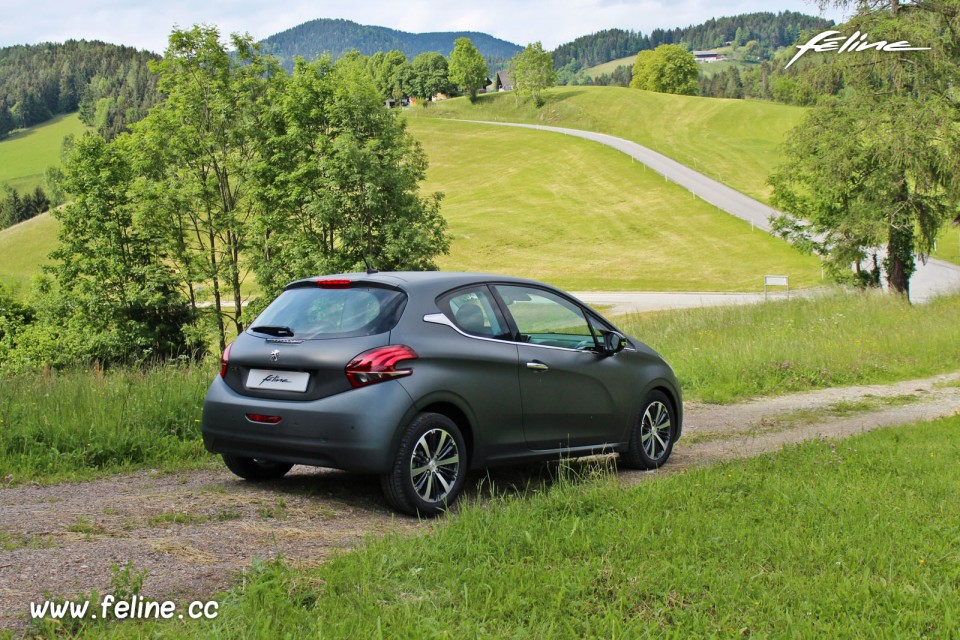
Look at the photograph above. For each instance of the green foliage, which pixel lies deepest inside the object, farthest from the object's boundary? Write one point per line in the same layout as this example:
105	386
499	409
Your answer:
468	70
878	167
667	69
430	77
15	208
115	299
339	182
532	72
78	423
392	73
805	543
43	80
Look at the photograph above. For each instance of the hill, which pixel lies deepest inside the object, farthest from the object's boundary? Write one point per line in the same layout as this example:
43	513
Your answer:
111	85
585	217
733	141
771	31
500	181
316	37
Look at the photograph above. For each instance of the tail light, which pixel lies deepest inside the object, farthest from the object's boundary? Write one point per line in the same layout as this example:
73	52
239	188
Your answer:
259	418
333	284
225	361
377	365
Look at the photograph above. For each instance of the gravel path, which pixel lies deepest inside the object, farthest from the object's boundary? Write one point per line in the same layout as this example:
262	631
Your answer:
194	531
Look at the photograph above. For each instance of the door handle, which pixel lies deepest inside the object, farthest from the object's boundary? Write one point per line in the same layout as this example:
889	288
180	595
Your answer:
537	366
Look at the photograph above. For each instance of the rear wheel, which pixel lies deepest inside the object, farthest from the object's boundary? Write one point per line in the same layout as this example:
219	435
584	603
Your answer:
651	440
429	468
256	469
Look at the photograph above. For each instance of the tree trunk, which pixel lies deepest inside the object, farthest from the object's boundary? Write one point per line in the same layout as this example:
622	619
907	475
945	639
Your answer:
900	262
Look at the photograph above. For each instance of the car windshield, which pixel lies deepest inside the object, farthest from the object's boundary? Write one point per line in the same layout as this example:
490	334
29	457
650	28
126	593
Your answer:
309	313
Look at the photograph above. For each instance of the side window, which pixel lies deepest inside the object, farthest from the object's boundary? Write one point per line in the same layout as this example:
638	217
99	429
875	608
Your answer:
472	310
547	319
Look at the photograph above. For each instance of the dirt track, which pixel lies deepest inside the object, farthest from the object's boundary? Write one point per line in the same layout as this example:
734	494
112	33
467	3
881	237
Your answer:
194	531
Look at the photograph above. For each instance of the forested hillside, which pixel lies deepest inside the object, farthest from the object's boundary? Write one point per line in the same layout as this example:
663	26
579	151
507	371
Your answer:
771	31
313	38
111	85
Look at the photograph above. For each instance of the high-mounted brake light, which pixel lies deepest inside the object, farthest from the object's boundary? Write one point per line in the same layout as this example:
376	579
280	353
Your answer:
225	361
333	284
380	364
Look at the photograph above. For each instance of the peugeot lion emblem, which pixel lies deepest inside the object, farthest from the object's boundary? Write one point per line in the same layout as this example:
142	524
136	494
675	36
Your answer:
274	355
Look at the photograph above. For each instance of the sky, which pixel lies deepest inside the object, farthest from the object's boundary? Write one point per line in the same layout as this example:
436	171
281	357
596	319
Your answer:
146	24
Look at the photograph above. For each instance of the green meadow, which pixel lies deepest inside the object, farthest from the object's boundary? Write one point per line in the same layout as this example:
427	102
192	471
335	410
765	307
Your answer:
734	141
583	216
26	153
24	249
610	67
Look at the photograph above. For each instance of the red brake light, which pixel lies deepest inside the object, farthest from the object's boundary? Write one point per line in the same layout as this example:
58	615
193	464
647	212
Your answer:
262	419
225	361
377	365
333	284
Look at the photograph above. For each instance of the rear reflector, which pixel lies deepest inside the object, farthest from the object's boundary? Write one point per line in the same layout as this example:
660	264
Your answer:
380	364
262	419
333	284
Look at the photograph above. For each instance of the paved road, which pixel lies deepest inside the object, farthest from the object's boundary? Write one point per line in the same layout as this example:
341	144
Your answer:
934	278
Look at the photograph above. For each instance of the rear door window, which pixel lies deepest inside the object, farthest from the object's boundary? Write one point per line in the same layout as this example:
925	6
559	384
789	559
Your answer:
314	313
474	311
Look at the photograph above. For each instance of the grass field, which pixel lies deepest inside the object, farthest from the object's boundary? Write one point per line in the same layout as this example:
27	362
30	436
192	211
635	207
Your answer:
734	141
76	424
25	154
846	538
948	244
583	216
24	249
610	67
723	354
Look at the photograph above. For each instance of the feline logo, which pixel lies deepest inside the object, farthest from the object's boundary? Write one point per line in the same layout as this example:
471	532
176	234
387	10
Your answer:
830	41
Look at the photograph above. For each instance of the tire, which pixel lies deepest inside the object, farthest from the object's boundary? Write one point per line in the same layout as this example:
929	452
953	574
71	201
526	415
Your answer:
256	469
652	436
429	468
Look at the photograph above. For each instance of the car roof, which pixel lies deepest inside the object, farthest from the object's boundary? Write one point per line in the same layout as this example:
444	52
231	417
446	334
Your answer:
423	280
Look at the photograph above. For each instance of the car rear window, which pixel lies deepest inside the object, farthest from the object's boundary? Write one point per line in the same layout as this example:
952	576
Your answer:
315	313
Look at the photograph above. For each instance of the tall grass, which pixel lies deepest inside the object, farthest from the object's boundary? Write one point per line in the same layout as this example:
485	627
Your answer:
729	353
74	424
850	538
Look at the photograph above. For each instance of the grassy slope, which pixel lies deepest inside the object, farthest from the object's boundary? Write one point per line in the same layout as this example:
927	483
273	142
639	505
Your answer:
948	244
852	538
583	216
24	248
610	67
734	141
25	154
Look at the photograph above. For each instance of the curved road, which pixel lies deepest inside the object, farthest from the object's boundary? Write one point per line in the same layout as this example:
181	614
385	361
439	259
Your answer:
931	279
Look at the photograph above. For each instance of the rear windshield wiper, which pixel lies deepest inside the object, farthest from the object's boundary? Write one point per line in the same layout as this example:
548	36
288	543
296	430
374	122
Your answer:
280	332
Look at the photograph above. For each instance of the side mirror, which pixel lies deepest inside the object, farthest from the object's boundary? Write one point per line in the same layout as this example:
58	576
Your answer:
613	342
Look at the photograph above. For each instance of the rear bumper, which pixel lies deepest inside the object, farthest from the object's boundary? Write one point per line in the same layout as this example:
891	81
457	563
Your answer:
355	431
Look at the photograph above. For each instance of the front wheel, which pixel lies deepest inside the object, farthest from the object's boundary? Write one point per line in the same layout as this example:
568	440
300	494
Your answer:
256	469
429	468
651	439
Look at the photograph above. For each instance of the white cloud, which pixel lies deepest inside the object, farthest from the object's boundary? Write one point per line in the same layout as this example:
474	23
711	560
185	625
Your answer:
147	24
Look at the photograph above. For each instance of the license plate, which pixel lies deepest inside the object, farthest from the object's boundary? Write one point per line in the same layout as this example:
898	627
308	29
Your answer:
278	380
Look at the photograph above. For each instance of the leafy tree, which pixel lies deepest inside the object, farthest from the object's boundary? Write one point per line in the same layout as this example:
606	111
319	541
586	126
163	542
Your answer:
391	72
532	72
115	299
430	76
667	69
878	167
197	149
468	70
339	181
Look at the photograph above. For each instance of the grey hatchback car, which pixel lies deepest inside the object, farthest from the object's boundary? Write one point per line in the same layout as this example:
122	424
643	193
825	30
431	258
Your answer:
421	377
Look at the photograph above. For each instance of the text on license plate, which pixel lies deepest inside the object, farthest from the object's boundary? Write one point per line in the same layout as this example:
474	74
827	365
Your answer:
278	380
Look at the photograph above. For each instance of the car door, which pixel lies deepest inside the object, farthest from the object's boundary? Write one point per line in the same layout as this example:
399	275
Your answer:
565	381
